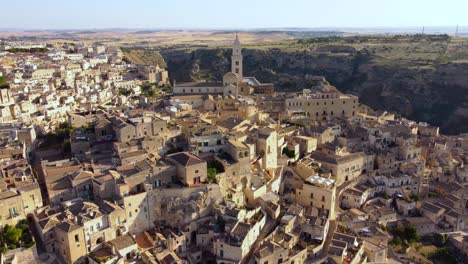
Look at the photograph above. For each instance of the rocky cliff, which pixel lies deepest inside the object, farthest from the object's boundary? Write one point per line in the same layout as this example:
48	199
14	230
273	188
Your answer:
437	94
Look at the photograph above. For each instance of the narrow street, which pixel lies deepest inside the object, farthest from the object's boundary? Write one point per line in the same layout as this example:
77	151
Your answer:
334	223
32	227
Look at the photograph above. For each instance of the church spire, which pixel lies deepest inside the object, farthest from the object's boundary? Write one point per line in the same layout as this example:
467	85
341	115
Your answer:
236	58
237	45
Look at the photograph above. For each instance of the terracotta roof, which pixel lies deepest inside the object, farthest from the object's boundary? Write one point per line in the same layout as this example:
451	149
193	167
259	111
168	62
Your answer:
144	240
68	226
230	122
122	242
185	158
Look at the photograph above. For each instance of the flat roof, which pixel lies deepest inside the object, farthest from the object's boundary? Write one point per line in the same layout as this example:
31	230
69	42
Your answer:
317	180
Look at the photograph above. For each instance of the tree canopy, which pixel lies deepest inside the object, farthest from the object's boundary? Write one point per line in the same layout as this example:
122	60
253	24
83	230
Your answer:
3	82
12	237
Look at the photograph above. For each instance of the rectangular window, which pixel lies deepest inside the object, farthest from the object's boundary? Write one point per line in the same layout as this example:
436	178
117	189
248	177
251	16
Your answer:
77	238
13	212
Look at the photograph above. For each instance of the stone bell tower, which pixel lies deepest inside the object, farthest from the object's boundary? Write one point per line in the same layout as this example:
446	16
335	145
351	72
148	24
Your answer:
236	58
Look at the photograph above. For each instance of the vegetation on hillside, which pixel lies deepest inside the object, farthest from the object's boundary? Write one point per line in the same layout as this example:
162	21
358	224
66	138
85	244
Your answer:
146	57
154	90
31	50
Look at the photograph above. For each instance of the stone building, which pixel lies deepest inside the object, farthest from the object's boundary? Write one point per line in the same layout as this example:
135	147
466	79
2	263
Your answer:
317	192
191	170
322	105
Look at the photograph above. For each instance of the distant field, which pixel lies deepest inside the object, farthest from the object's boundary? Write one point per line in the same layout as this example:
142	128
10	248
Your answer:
415	51
158	38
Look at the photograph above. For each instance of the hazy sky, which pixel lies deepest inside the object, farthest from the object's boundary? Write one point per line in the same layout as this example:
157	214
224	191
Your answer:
66	14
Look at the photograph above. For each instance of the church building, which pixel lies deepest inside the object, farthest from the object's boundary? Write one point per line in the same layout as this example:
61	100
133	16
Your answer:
233	84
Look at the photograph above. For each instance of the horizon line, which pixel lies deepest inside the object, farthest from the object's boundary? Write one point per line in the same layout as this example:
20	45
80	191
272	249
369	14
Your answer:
19	29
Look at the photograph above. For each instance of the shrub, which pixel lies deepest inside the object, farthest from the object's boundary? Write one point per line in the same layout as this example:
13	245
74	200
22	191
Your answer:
211	175
416	197
17	236
289	153
218	166
13	235
440	239
407	235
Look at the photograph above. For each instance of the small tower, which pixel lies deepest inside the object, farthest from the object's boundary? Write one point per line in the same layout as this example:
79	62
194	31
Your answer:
236	58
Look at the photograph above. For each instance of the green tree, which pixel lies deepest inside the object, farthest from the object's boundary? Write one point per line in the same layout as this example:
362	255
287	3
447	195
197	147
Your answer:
406	235
411	233
3	82
13	234
289	153
211	174
218	166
